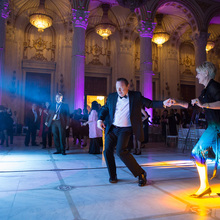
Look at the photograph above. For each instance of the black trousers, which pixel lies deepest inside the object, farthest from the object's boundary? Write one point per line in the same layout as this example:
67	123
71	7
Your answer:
59	135
119	137
47	135
32	131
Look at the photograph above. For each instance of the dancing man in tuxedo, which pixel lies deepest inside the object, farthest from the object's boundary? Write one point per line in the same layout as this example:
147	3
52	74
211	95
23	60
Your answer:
59	118
121	117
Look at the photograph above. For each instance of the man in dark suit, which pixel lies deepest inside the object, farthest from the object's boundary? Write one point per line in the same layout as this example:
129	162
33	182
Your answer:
59	118
31	121
122	116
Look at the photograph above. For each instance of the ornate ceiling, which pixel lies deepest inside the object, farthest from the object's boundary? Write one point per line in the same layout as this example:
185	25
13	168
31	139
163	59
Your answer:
177	18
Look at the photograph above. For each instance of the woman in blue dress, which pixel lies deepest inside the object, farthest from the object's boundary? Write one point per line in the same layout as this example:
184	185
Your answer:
207	146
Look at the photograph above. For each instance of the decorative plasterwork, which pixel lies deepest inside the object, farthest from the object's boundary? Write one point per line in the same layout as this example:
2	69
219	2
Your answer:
126	47
80	18
180	10
40	46
96	51
187	62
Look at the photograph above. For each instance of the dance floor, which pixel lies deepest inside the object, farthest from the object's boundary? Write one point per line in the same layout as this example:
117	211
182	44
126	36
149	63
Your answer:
37	184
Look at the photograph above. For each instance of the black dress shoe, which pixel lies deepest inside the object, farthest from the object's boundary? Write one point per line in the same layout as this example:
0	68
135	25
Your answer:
135	151
142	179
57	152
63	153
138	152
113	180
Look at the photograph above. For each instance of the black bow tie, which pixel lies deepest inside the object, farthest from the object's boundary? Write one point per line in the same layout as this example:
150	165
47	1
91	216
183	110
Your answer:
124	97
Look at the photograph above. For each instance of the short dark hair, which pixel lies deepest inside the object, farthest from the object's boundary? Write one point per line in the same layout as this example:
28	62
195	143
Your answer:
59	94
95	106
123	80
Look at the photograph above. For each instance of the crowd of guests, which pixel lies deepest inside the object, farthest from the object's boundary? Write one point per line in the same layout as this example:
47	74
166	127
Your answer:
82	127
172	119
7	125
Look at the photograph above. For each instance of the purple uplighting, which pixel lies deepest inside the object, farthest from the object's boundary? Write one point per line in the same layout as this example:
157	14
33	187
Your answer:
5	10
1	69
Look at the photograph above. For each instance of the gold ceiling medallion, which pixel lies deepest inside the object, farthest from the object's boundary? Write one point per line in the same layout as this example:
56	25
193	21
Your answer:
105	28
40	19
160	36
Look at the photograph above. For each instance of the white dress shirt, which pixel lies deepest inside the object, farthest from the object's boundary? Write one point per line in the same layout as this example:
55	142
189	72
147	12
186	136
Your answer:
122	113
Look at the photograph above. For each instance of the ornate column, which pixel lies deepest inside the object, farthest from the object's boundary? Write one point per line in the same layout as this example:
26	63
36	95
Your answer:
125	60
4	12
199	41
145	29
78	59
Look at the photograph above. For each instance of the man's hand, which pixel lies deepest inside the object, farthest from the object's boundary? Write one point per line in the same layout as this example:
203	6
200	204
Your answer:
67	127
197	102
46	123
100	124
169	102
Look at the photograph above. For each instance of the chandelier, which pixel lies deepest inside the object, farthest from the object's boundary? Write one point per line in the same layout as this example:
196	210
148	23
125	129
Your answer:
106	27
160	36
132	4
40	19
209	46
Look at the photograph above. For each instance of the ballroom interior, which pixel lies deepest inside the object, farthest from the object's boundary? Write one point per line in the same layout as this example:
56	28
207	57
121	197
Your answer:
84	46
80	48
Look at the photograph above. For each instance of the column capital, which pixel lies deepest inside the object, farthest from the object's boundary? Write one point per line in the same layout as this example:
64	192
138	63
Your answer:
146	28
80	18
4	9
200	39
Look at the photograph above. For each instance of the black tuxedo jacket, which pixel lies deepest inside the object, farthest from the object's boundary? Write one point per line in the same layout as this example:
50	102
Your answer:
136	102
64	115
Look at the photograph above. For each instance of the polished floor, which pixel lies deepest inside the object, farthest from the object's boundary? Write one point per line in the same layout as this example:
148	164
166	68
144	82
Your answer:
37	184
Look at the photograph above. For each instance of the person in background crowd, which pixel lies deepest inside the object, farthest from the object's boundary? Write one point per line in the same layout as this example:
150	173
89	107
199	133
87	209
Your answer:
59	119
177	117
3	126
45	132
95	134
185	118
137	143
164	123
31	122
156	118
76	126
85	129
78	130
9	125
15	122
172	123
